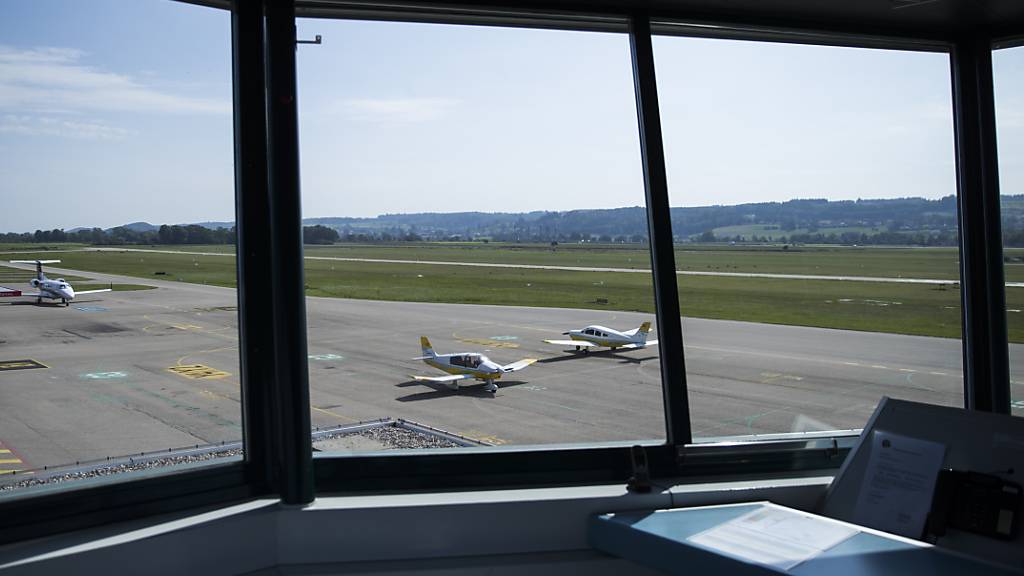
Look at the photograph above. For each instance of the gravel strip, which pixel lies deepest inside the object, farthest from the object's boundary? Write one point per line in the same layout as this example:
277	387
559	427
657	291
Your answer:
391	437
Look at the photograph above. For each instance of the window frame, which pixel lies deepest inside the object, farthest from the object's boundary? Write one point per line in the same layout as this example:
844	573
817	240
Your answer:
275	396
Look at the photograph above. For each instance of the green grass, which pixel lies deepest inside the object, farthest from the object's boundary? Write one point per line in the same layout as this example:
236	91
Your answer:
115	287
38	246
922	309
934	263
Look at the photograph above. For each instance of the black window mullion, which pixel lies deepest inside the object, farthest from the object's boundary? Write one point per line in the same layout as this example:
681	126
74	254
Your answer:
659	223
983	298
291	422
252	225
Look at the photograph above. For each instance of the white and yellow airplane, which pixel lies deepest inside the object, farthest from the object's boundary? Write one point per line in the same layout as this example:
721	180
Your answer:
594	336
465	366
58	289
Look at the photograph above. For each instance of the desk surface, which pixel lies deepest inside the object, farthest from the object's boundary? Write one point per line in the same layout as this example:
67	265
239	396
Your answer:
658	539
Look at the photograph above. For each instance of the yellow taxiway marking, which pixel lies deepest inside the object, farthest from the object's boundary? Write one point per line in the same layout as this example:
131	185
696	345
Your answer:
181	361
335	414
485	342
191	328
21	364
489	439
4	451
770	377
15	471
198	372
10	461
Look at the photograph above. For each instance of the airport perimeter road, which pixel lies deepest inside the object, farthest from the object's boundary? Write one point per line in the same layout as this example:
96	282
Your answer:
124	372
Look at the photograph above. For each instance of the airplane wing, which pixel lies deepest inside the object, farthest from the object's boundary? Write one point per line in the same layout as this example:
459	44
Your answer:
449	378
584	343
91	291
634	346
518	365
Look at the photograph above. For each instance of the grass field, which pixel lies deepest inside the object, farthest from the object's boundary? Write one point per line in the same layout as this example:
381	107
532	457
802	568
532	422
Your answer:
927	310
931	263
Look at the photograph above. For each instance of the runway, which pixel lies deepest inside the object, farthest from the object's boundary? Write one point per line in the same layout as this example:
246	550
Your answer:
777	276
127	372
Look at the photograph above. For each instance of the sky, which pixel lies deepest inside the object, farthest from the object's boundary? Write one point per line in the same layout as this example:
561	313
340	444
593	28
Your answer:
115	111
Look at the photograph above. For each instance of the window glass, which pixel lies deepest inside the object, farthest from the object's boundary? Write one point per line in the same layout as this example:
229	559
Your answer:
814	213
116	173
474	190
1008	79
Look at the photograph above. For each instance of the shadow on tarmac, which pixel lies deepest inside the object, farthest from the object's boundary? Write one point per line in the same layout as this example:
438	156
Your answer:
442	391
574	355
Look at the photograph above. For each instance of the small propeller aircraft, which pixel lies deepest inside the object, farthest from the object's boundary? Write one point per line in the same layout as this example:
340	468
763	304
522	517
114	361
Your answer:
593	336
58	289
465	366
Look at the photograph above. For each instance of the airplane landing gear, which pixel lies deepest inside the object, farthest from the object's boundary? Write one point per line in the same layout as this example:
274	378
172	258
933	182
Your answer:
491	387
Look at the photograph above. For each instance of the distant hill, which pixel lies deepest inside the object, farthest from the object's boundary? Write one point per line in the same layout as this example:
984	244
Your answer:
137	227
897	221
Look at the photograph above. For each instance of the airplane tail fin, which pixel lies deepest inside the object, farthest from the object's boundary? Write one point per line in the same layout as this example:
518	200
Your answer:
39	266
641	332
425	346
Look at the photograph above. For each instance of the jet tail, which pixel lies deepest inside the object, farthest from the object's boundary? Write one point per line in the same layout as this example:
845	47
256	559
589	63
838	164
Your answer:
39	266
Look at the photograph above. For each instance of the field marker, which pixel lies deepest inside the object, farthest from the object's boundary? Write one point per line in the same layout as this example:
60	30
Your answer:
25	364
104	375
198	372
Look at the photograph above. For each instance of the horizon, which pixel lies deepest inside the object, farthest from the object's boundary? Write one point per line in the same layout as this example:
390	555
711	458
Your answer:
386	214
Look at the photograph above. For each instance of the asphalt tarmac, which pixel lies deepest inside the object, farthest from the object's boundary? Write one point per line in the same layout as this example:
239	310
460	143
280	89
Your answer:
127	372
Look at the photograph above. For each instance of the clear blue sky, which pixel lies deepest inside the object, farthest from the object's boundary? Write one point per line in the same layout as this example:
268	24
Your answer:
116	111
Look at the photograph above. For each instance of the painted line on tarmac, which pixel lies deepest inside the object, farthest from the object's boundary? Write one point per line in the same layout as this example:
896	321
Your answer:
104	375
23	364
10	463
335	414
324	357
814	360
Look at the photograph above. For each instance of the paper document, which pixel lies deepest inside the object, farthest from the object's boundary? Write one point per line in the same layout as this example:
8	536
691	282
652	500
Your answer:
774	536
898	485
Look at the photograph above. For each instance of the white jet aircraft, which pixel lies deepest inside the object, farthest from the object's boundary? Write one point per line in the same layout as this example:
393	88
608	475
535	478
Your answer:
593	336
465	366
58	289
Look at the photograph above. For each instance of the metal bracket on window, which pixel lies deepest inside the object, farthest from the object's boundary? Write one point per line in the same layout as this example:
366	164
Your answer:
640	481
315	41
833	452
